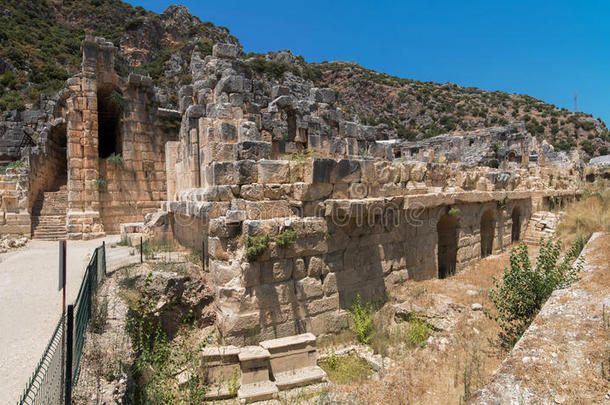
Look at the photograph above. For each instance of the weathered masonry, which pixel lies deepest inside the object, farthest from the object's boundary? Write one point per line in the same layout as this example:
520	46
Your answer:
300	211
99	161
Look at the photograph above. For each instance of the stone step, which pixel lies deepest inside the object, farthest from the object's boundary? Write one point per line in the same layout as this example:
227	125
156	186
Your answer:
299	377
259	391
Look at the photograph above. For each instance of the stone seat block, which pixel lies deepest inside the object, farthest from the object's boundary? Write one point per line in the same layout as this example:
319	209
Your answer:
260	391
289	355
299	377
222	371
254	361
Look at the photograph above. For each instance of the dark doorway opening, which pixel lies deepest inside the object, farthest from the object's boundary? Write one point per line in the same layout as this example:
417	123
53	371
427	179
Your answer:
110	106
57	143
291	119
515	233
488	231
446	229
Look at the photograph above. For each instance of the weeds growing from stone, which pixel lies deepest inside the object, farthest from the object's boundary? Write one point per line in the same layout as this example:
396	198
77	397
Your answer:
362	320
256	246
167	371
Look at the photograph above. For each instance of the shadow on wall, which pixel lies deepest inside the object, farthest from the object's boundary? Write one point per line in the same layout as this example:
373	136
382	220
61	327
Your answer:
488	230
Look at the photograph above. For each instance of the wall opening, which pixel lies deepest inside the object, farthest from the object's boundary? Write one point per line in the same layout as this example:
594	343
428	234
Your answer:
488	230
291	119
446	228
110	106
516	227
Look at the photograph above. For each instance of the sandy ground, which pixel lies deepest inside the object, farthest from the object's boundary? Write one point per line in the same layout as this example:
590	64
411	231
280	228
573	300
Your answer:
30	303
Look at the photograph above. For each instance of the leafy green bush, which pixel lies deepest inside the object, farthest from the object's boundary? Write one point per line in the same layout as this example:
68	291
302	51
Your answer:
115	159
286	238
256	246
523	289
362	319
12	101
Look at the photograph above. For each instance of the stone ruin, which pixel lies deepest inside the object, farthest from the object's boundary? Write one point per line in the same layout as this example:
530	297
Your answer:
298	210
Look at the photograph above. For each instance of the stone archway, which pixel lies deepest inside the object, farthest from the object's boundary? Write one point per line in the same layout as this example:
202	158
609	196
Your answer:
446	229
488	232
515	233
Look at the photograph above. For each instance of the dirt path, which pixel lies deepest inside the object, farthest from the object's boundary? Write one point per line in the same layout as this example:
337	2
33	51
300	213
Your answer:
30	303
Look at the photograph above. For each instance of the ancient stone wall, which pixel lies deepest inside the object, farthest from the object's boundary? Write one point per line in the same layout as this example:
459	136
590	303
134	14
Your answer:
363	251
110	116
258	163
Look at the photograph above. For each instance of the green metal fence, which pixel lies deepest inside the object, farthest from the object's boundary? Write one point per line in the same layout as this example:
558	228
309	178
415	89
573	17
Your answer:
46	386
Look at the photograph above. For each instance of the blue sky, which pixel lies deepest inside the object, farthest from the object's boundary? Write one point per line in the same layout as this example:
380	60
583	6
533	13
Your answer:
547	49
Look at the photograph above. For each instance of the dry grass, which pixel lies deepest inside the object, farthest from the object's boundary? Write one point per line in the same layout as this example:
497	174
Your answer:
458	361
589	215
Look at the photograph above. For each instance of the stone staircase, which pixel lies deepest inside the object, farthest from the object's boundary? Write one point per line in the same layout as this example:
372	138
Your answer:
49	215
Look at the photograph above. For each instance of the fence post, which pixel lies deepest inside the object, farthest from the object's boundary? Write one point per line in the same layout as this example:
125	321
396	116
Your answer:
104	256
203	254
69	352
141	248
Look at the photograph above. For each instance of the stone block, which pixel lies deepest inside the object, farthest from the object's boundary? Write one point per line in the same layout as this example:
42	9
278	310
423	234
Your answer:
329	285
345	171
316	266
220	173
220	367
312	192
249	132
323	95
319	172
227	132
252	192
300	271
320	305
273	171
247	171
308	288
254	150
276	271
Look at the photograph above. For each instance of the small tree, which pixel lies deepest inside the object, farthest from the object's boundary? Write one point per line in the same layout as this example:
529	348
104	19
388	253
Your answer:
524	289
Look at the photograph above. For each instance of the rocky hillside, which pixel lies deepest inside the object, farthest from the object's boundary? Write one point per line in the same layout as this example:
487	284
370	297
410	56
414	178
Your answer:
412	109
40	48
40	44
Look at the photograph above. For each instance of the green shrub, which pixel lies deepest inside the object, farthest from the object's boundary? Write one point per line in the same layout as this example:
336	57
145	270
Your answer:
115	159
418	332
502	202
286	238
454	212
159	361
16	164
12	101
523	289
101	184
117	102
256	246
362	320
9	79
